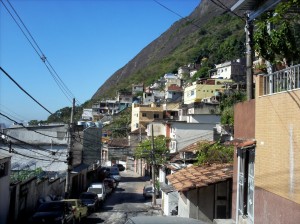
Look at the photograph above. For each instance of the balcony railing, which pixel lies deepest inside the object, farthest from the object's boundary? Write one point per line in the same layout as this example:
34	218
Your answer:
283	80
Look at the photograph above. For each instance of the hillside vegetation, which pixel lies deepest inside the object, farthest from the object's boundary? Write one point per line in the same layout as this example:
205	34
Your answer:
208	32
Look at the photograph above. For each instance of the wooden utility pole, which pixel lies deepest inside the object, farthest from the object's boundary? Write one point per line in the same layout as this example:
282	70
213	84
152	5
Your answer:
153	167
70	152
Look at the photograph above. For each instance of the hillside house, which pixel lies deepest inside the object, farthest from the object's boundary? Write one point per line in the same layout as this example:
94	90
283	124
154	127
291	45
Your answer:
173	93
180	132
234	70
125	99
203	89
144	114
115	150
106	107
137	88
171	79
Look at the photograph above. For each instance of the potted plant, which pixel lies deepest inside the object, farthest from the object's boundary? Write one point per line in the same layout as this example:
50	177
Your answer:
259	68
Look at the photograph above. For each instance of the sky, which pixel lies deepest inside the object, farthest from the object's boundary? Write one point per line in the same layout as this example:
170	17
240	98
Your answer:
84	42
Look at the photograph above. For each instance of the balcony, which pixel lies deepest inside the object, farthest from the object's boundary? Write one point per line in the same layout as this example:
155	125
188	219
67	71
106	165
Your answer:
280	81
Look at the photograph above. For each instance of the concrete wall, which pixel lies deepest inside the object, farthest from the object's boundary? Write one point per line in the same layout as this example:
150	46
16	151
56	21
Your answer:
92	145
52	134
181	133
170	201
206	203
27	194
183	205
244	128
4	189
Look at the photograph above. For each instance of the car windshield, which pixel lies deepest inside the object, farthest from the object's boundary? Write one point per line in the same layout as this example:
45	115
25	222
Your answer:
95	190
87	196
53	206
72	203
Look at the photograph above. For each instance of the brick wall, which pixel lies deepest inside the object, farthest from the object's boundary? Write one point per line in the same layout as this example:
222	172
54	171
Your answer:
277	132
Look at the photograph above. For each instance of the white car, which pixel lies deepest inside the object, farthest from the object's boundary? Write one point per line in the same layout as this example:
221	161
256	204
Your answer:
99	189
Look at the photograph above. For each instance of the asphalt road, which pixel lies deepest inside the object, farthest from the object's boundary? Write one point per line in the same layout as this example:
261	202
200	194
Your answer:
126	201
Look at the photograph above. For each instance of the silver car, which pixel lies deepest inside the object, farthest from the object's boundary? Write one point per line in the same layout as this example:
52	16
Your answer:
148	191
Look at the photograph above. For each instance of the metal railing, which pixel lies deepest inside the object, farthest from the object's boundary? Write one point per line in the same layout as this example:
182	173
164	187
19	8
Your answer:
283	80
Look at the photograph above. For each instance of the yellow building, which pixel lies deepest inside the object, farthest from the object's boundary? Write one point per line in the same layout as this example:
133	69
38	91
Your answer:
145	114
203	89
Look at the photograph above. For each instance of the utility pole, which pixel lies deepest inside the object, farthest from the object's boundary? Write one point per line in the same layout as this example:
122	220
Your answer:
153	168
249	57
70	152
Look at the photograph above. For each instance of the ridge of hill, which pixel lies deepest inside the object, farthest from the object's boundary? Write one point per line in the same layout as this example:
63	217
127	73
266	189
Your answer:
203	34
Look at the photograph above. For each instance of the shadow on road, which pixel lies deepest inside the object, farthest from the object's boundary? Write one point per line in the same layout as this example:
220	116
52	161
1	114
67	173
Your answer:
92	220
134	179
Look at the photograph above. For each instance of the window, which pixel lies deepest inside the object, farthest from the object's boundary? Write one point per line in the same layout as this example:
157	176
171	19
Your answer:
144	115
136	125
192	93
246	183
156	116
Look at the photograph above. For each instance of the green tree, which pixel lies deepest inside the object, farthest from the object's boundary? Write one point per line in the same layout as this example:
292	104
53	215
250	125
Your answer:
121	124
227	102
282	41
214	153
158	155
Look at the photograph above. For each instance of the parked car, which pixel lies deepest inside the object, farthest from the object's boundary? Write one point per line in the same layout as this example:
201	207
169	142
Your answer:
99	189
90	200
110	185
120	167
80	210
148	191
162	220
114	173
110	182
54	212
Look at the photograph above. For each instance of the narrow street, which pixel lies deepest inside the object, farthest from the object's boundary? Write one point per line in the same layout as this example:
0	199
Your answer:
126	201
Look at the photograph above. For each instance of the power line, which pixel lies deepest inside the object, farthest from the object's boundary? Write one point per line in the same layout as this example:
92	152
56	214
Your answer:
27	127
177	14
227	9
20	87
63	87
31	157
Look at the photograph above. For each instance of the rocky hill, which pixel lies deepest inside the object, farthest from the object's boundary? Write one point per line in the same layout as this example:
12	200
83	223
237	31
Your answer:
183	36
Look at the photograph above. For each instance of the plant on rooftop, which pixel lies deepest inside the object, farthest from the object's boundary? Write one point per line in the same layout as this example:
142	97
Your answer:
214	153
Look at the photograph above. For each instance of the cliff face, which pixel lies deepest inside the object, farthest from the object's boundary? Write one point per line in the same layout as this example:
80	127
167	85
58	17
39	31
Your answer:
166	43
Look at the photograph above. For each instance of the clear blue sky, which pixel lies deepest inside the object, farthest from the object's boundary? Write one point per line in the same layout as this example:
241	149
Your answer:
85	41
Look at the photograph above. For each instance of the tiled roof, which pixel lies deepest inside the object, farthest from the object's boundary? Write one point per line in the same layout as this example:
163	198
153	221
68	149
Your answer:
138	131
193	147
200	176
241	143
174	87
118	142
